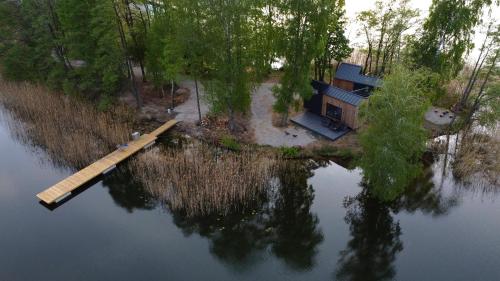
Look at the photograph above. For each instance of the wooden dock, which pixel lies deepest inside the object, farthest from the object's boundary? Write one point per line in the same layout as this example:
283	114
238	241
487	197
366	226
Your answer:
66	186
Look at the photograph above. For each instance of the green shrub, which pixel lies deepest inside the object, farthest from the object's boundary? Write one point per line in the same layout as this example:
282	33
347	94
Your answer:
326	151
331	151
290	152
105	102
230	143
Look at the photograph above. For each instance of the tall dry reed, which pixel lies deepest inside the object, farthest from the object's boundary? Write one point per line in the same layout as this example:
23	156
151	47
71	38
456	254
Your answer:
477	156
200	180
72	131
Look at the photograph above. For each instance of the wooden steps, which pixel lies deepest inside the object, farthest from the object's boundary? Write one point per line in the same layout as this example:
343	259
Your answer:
66	186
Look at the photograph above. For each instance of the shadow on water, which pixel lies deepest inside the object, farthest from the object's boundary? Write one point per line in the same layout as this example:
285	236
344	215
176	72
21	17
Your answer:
73	194
127	192
375	233
374	243
279	222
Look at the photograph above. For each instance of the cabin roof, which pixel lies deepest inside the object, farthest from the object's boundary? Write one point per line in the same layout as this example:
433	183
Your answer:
352	72
337	93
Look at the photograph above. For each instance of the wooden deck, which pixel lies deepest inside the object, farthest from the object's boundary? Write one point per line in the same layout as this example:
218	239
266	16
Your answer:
66	186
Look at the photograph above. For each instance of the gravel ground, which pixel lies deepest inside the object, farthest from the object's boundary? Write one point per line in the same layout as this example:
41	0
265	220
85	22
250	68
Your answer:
261	121
265	132
188	111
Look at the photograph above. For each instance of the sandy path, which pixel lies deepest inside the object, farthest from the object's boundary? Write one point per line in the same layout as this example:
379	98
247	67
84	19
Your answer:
188	111
265	132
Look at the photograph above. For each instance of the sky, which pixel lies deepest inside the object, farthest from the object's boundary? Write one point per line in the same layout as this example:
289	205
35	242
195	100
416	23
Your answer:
353	7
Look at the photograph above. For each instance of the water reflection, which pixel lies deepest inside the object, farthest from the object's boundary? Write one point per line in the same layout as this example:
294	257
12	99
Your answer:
375	233
280	222
127	192
375	240
425	196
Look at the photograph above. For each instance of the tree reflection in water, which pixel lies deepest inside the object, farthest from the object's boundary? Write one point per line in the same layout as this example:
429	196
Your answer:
127	192
280	220
375	235
375	240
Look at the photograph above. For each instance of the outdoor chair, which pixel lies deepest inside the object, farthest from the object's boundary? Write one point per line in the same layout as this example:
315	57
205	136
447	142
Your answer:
326	122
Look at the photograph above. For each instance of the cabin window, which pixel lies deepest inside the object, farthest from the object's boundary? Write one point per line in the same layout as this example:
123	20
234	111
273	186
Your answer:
333	112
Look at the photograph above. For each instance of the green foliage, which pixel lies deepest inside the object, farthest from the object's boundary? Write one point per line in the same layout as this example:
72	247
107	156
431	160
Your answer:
154	52
394	139
384	28
230	56
447	35
302	38
230	143
15	65
105	102
489	107
331	151
50	36
108	59
290	152
334	43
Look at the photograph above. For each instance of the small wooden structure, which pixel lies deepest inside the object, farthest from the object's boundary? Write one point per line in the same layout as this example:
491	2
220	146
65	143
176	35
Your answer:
341	101
349	77
335	103
341	110
102	166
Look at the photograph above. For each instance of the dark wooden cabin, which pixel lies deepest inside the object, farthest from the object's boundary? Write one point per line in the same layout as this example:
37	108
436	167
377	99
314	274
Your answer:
350	78
335	103
341	101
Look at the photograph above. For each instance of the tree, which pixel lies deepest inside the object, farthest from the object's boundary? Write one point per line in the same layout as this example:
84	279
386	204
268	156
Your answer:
232	60
108	57
336	45
447	35
394	138
303	28
171	60
192	41
490	44
384	28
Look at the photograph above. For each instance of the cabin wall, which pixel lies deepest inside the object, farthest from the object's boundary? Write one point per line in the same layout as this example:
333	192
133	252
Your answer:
343	84
349	112
314	104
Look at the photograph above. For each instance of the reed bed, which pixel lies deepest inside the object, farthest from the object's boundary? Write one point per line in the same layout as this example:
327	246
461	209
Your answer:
72	131
477	156
201	180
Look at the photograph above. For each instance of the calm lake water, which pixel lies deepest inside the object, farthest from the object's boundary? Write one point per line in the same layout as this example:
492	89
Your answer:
322	225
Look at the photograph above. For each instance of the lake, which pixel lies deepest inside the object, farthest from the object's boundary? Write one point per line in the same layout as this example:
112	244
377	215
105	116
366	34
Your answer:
321	225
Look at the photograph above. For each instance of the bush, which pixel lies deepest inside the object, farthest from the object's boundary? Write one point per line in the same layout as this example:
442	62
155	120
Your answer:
331	151
230	143
290	152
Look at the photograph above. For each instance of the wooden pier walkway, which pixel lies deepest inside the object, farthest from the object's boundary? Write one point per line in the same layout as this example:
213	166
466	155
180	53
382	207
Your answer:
66	186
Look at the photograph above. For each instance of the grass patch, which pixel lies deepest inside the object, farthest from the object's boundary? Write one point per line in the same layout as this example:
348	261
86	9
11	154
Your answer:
290	152
230	143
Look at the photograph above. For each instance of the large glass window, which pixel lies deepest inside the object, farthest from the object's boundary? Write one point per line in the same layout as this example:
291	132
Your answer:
333	112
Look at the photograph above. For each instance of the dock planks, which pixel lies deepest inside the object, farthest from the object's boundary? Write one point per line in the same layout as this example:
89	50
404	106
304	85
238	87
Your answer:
66	186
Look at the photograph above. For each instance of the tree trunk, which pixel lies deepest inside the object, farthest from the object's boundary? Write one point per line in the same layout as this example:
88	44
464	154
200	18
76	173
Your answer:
380	44
143	72
130	70
475	71
480	95
172	94
284	119
197	99
368	58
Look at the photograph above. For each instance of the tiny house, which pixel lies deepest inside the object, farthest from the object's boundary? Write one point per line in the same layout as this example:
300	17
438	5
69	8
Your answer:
349	77
335	103
341	101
